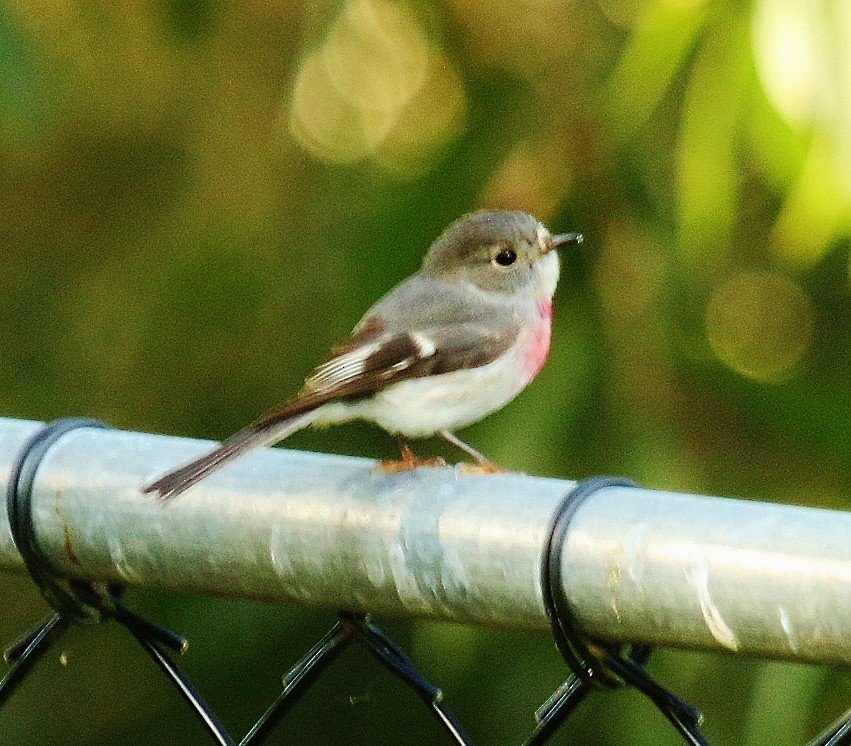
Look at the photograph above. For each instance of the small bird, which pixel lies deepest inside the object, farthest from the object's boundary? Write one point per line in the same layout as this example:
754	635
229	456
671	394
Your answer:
452	343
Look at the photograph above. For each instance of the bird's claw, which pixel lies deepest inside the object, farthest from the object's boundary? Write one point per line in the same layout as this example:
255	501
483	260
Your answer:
481	467
392	466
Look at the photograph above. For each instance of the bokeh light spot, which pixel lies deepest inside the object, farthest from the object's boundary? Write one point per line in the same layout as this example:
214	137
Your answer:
376	56
376	87
760	324
430	120
786	43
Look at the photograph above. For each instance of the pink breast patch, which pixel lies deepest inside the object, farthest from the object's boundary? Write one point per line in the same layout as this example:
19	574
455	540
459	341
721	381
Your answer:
539	342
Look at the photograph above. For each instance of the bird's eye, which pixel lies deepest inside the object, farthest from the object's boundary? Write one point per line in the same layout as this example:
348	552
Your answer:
506	257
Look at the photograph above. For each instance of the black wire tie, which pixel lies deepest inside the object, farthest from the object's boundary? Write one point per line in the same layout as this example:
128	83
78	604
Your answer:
594	664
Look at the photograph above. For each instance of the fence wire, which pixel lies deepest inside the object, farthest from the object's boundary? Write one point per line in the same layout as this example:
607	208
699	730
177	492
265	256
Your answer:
592	665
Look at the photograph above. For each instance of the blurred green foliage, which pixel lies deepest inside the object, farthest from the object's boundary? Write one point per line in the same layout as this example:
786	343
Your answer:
198	198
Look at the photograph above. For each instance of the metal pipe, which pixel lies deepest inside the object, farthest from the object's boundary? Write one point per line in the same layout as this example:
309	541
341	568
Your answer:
640	565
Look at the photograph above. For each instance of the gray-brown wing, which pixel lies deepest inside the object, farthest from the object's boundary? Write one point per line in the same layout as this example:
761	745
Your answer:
429	328
359	370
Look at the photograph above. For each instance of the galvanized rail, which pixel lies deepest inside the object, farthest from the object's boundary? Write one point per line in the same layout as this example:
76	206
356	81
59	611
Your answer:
639	565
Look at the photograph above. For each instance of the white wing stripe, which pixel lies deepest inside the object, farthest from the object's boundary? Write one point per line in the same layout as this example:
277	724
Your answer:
425	346
345	366
350	365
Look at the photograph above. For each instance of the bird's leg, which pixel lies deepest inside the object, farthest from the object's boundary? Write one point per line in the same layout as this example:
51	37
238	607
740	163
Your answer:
483	463
409	460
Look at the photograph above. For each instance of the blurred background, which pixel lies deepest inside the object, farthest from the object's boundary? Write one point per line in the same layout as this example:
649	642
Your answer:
198	198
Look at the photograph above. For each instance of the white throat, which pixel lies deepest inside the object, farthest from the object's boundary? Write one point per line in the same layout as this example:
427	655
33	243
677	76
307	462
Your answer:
547	268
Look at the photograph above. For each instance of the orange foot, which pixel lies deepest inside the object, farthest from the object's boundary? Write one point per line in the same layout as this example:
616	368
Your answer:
409	461
481	467
391	466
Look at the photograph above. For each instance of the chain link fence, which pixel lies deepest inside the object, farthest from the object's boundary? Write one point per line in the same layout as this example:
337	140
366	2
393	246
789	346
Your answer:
505	551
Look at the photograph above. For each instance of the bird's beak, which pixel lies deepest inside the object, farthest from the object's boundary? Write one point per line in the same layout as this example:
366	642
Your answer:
563	239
